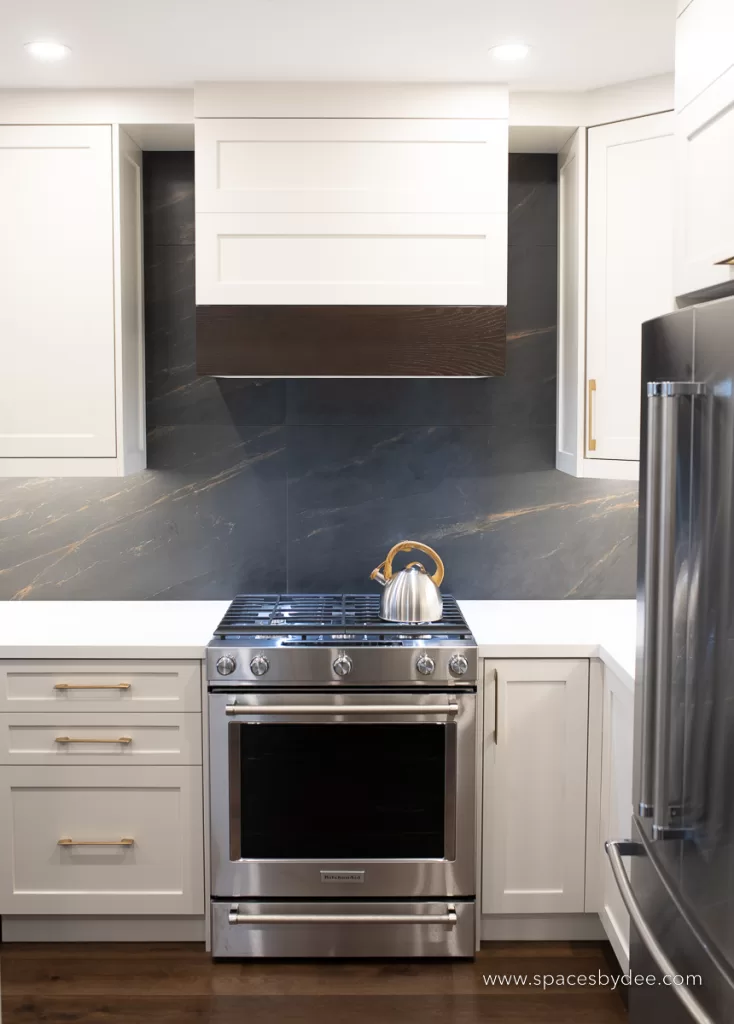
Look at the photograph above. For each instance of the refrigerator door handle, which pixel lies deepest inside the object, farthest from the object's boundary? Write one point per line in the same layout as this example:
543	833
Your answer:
663	408
616	849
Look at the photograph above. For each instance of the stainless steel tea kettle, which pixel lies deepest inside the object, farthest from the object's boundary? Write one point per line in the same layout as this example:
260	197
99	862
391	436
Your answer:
410	595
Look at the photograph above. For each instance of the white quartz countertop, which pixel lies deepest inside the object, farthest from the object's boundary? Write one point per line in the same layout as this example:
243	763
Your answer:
557	629
181	629
107	629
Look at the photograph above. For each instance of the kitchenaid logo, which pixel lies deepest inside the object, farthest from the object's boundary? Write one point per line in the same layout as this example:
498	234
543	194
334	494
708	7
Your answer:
342	876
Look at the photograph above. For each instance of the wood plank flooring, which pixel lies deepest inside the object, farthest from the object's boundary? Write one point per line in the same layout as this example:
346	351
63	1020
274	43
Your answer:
170	983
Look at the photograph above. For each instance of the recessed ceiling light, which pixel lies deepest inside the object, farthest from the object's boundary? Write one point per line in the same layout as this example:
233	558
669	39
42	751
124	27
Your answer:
45	49
510	51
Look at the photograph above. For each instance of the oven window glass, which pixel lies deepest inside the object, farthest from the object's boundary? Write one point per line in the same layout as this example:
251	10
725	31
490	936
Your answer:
332	791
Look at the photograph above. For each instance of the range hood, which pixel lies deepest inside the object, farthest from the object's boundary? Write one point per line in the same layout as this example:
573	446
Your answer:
351	230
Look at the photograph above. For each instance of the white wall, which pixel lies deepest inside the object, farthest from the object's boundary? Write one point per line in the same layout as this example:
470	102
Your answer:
598	106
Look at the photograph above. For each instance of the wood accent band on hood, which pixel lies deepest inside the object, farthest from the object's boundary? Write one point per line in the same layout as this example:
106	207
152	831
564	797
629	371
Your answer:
339	341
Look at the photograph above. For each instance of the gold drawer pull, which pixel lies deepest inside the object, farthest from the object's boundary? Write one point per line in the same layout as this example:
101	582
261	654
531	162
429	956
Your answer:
92	686
64	841
589	412
92	739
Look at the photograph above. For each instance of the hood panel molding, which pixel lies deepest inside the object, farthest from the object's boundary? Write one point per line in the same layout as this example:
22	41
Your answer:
350	341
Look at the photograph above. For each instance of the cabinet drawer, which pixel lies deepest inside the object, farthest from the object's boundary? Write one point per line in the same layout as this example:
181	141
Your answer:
100	686
116	738
132	840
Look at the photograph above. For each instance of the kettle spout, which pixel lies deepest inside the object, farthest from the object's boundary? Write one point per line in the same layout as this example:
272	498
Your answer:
378	576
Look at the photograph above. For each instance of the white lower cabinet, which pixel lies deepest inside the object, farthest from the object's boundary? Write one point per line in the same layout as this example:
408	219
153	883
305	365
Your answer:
111	840
616	805
101	788
535	770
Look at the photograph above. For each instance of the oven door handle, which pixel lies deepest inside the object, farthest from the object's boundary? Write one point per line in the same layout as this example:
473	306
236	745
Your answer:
342	709
448	918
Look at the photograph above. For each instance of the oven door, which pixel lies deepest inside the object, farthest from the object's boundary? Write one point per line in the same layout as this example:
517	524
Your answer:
356	794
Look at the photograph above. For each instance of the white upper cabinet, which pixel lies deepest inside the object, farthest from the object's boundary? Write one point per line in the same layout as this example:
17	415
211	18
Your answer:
629	271
615	241
704	47
56	292
61	302
535	756
351	195
704	86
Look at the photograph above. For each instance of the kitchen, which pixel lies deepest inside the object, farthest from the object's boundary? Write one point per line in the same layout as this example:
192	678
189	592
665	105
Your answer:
295	299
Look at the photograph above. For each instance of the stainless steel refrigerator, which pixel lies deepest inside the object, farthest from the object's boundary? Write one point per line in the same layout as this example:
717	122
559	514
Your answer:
676	873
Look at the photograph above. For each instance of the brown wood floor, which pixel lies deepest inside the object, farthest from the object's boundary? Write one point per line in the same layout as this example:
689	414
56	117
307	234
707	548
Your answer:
111	983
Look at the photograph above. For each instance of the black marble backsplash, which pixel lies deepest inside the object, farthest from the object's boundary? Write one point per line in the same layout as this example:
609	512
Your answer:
305	484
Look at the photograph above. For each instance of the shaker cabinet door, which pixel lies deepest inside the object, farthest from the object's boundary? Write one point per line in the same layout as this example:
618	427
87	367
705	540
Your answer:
101	840
57	339
629	271
616	805
534	815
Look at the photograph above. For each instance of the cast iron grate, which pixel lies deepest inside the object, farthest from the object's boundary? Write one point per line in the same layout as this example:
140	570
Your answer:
280	614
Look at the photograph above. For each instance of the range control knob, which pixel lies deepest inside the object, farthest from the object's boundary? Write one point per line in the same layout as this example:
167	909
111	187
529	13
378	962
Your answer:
458	664
259	665
425	665
226	665
343	665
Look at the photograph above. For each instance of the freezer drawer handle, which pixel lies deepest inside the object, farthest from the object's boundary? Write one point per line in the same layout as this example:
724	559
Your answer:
343	709
616	849
448	918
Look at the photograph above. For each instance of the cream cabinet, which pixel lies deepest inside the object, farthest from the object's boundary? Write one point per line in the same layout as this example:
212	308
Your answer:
71	301
101	788
534	786
107	840
616	213
401	201
615	815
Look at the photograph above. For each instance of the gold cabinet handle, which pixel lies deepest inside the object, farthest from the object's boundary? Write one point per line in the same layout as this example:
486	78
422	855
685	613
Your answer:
92	686
592	439
92	739
496	707
65	841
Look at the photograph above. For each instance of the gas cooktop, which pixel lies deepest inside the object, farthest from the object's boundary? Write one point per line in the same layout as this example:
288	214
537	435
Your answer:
307	639
324	618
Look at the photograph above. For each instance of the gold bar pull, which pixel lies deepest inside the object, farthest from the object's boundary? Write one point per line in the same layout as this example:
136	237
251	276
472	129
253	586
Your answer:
589	411
91	739
496	707
92	686
64	841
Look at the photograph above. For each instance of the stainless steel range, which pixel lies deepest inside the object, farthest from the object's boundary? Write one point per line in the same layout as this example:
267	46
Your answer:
342	755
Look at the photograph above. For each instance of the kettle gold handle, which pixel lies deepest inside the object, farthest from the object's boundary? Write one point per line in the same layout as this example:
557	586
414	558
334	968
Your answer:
413	545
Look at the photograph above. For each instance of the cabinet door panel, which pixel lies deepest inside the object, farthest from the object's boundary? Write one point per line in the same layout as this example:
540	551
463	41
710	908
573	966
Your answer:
704	174
159	809
74	686
630	271
118	738
355	165
704	47
534	821
616	804
56	292
351	259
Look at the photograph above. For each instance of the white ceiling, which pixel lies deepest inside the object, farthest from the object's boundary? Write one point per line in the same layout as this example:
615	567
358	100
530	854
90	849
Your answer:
577	44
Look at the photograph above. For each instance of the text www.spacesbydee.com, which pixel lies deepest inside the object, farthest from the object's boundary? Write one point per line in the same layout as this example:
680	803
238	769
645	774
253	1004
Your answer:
598	980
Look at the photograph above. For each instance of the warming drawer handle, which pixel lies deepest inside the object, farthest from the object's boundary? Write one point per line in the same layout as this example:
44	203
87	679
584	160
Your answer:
343	709
448	918
616	849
